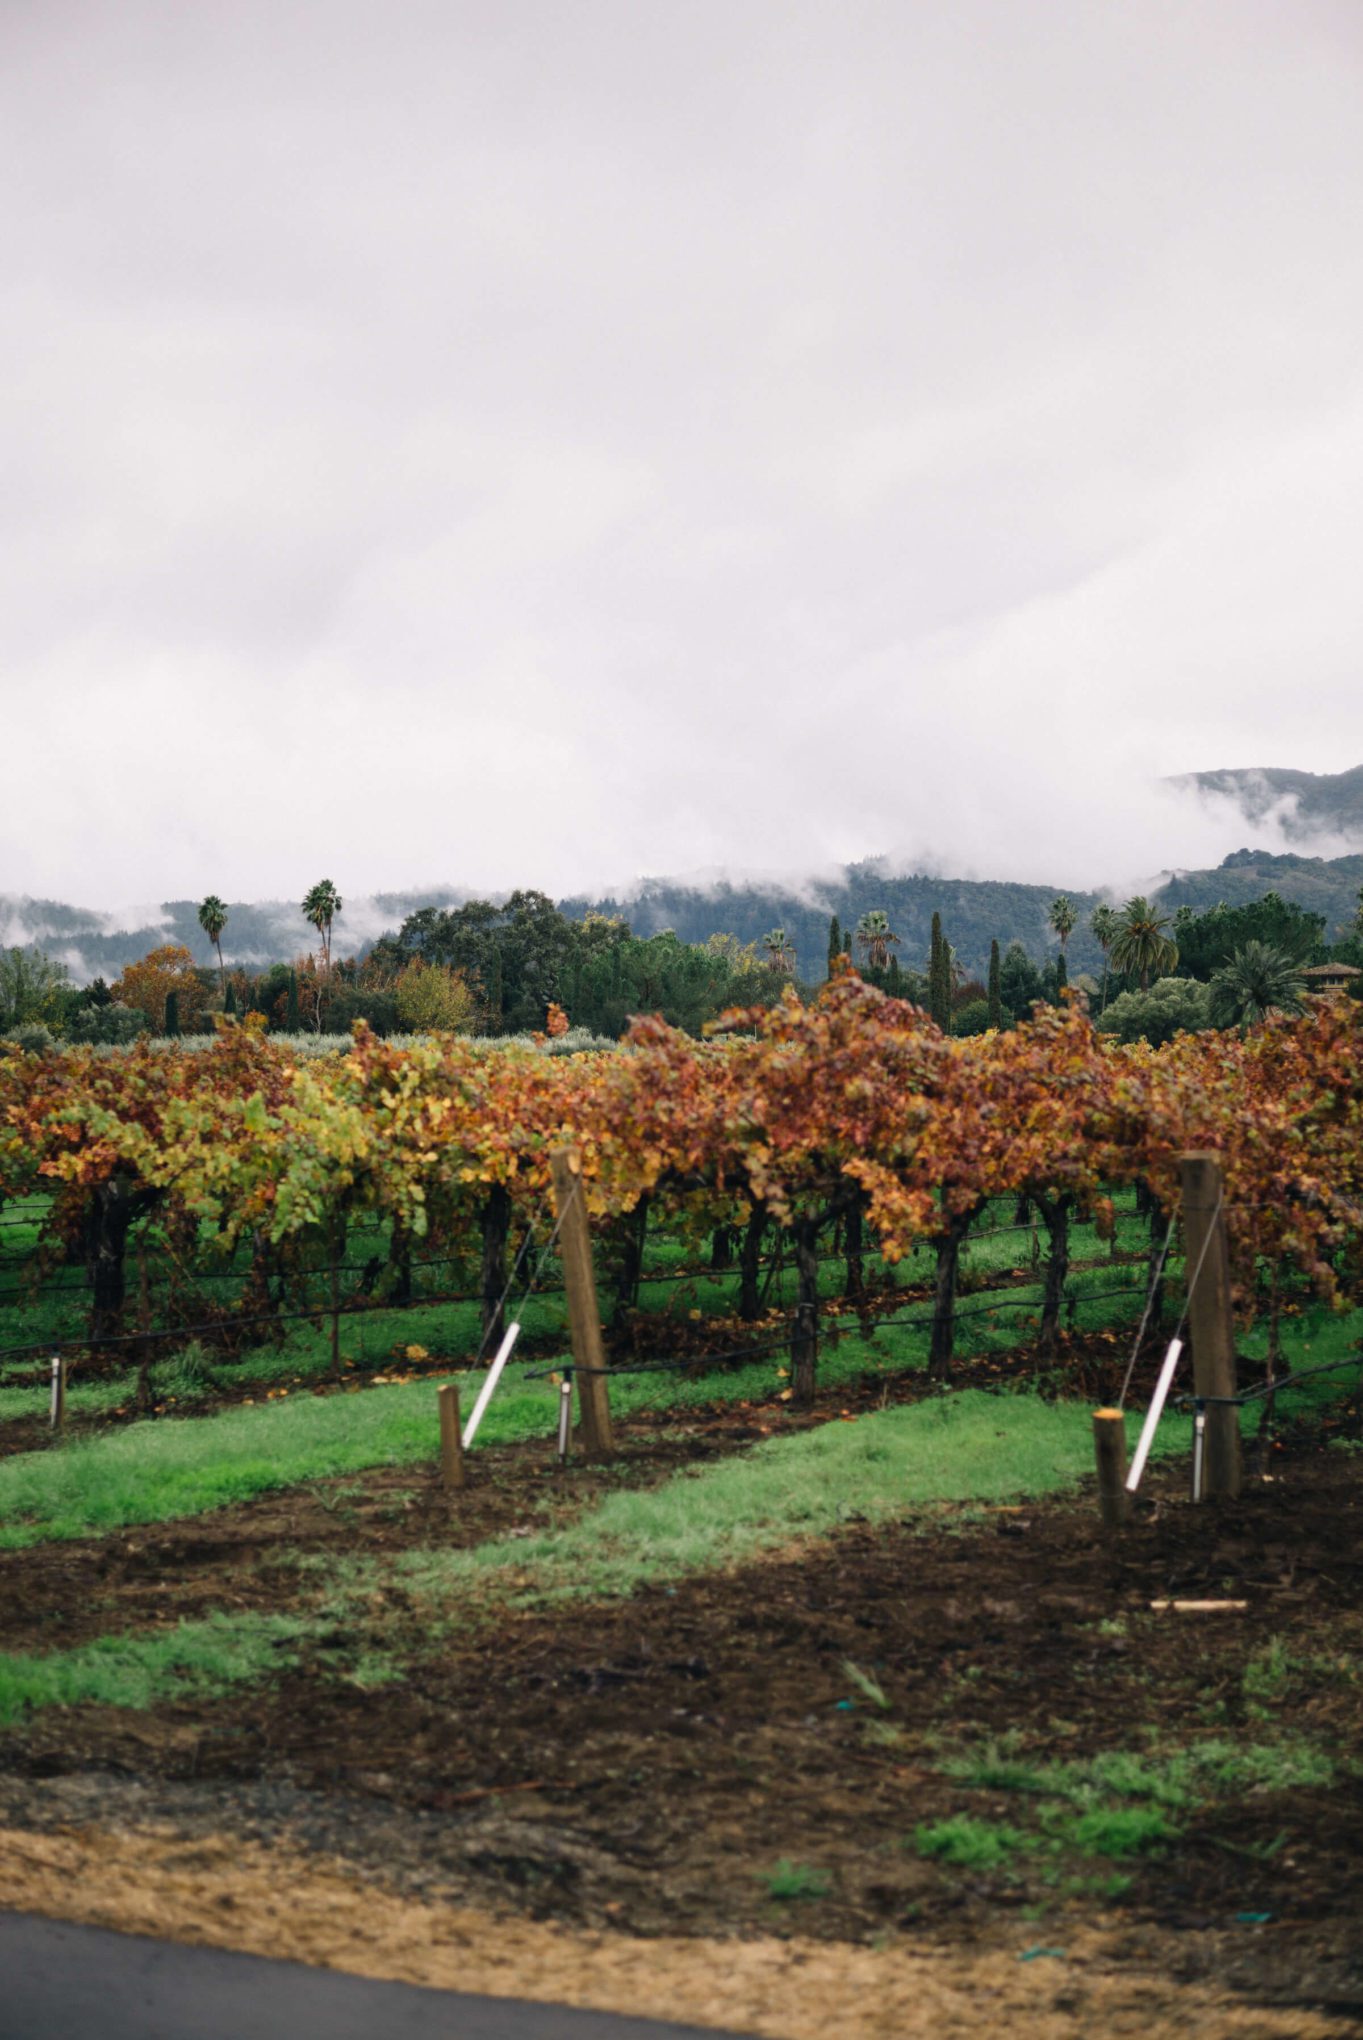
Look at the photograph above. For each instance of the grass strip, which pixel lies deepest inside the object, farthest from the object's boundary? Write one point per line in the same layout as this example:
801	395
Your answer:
136	1671
176	1467
966	1447
971	1447
157	1470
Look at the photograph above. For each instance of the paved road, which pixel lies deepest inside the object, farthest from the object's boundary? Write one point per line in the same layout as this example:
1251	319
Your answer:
61	1982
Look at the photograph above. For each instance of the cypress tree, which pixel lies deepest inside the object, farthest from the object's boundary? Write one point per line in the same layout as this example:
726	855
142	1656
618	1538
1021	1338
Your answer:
995	995
171	1025
939	977
229	999
835	944
1062	977
894	979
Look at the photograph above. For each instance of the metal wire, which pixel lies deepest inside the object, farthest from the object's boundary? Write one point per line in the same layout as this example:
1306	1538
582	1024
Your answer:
1152	1290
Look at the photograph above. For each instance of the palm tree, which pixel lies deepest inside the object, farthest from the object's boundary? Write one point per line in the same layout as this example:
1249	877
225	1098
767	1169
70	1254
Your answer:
321	907
1063	919
213	919
780	951
1103	925
1257	981
1140	945
874	937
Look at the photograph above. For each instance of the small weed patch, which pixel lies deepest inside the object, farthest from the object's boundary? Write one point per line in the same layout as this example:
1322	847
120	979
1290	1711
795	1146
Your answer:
870	1688
1115	1831
795	1880
970	1844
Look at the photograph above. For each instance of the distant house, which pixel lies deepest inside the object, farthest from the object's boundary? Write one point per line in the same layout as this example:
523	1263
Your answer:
1323	978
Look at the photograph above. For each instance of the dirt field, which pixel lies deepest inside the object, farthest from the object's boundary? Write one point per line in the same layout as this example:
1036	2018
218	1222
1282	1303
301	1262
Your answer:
686	1802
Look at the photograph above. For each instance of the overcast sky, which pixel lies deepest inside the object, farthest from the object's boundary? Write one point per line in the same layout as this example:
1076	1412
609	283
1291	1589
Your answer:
497	443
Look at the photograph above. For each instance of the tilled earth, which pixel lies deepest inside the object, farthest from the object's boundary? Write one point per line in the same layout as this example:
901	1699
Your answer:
648	1766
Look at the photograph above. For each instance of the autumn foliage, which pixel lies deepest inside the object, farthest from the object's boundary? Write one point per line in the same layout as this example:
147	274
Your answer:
146	985
853	1102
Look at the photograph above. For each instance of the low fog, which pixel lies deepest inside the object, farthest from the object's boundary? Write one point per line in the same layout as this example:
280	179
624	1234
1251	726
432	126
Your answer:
549	446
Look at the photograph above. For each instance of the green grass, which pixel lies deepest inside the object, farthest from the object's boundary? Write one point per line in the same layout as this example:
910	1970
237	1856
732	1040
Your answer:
82	1397
969	1844
152	1471
969	1447
1115	1831
1178	1779
136	1671
1117	1805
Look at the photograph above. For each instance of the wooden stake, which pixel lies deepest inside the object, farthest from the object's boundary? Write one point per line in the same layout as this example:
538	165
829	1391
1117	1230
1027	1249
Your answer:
589	1352
451	1444
59	1391
1109	1447
1209	1316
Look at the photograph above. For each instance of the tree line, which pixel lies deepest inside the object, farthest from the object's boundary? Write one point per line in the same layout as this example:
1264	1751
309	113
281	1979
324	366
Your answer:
496	968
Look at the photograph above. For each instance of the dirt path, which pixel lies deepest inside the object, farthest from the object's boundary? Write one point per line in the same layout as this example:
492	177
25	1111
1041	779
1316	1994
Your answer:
217	1892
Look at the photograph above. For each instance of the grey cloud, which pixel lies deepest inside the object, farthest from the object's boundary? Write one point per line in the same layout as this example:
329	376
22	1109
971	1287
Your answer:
545	445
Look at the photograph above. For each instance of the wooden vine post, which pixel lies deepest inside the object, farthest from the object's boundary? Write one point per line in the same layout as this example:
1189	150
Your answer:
1109	1447
1210	1320
451	1440
589	1352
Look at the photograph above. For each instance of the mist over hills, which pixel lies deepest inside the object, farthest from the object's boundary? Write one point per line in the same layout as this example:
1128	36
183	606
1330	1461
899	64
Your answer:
98	944
1307	806
1322	811
973	911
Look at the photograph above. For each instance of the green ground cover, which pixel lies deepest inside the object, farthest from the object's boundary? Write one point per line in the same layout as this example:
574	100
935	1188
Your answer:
136	1671
1120	1803
153	1470
961	1449
966	1448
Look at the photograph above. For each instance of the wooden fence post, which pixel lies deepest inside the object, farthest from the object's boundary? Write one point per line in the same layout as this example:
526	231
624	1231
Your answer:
589	1352
1109	1447
451	1442
1207	1271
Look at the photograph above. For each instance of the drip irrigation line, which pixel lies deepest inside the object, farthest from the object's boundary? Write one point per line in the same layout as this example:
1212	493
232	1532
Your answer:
316	1314
922	1321
1266	1389
702	1361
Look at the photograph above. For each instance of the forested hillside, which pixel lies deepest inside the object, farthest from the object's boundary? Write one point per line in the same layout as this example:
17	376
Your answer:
974	913
1306	804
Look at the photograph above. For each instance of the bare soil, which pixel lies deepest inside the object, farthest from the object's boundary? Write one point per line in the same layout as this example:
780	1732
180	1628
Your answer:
628	1777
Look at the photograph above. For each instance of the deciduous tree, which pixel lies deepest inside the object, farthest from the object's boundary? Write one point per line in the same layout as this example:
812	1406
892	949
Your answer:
146	985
